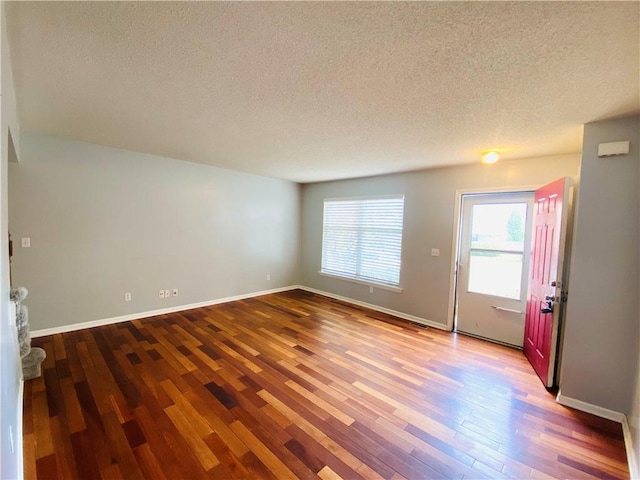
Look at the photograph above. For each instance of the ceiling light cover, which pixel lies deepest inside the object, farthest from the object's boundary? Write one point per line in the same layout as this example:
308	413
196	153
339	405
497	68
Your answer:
490	157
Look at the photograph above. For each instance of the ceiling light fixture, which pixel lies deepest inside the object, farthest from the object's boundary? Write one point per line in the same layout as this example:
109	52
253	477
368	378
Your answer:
490	157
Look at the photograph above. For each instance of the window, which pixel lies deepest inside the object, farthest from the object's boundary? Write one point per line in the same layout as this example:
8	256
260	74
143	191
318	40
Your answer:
362	239
496	254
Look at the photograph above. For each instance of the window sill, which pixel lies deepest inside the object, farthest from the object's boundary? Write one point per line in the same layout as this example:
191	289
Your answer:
362	282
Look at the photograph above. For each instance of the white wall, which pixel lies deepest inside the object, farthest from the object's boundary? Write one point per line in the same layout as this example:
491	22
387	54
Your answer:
634	415
428	223
600	356
10	366
103	222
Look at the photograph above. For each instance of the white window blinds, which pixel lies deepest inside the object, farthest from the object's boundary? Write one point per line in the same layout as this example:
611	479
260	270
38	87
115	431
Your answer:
362	239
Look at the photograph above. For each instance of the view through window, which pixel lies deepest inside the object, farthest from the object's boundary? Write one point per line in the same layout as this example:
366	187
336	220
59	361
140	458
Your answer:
497	249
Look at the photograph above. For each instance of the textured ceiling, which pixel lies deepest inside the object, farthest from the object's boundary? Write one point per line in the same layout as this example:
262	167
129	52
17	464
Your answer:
318	91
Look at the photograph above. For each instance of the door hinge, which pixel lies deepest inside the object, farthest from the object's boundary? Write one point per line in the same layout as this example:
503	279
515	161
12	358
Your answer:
563	296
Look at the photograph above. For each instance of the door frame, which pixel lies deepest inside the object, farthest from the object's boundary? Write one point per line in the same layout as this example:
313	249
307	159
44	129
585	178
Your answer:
477	318
457	230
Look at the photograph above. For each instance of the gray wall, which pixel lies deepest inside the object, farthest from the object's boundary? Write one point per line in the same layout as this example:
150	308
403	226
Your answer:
601	338
103	222
10	366
634	415
428	223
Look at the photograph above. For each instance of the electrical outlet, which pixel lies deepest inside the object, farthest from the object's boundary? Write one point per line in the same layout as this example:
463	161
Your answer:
167	293
127	297
435	252
370	289
175	292
268	276
161	293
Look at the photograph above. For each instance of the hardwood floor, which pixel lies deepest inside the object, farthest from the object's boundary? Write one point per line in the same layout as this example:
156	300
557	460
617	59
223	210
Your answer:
296	385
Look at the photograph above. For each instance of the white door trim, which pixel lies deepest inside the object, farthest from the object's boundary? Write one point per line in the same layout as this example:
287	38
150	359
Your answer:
455	241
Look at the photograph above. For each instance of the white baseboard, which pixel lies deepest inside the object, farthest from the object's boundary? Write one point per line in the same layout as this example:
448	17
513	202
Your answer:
135	316
590	408
634	468
609	415
395	313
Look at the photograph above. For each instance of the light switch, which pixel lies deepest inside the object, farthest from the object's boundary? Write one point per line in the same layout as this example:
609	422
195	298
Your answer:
435	252
25	242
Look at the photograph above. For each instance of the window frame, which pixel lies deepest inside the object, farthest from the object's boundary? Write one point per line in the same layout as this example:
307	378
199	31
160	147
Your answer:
520	252
356	279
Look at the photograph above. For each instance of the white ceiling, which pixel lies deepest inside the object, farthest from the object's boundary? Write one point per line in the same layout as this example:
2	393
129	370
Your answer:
319	91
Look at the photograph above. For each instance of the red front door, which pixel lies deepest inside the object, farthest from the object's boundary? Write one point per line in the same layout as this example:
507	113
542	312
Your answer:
546	285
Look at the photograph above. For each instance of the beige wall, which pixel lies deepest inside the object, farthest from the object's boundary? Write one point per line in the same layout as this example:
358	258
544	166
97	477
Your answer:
103	222
600	356
429	223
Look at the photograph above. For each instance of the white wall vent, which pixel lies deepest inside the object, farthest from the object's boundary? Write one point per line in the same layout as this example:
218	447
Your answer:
610	149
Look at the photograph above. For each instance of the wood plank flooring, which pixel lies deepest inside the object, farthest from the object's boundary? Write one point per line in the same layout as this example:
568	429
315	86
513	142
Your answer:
296	385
